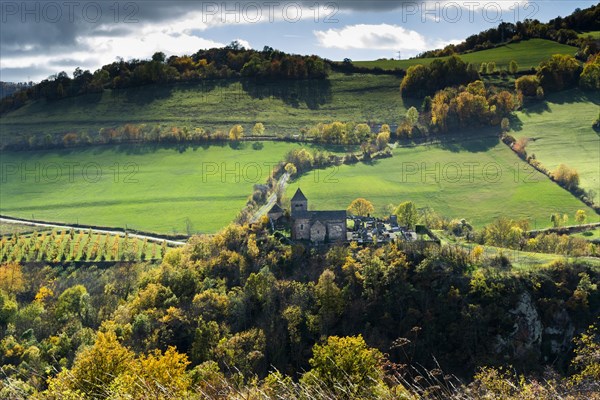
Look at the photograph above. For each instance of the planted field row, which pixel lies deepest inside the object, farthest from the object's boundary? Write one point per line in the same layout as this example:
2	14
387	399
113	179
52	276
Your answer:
80	245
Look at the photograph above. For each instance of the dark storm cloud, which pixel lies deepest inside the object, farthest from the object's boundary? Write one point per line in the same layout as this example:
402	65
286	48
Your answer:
24	74
51	28
83	63
59	22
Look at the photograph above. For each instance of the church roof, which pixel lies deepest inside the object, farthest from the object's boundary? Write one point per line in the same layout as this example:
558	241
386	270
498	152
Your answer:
299	196
321	215
275	209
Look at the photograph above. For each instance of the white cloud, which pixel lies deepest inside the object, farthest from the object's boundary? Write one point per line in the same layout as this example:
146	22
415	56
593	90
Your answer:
107	49
372	37
244	43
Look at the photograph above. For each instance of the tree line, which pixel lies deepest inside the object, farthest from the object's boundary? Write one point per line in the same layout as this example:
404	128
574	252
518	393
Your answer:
563	30
455	97
217	63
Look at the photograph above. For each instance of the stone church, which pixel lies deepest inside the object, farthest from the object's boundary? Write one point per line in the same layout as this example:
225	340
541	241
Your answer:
313	226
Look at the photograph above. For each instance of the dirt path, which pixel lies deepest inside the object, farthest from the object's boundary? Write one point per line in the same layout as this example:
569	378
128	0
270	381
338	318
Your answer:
272	198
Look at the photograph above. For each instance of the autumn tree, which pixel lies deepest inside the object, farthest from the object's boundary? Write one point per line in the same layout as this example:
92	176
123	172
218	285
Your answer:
156	375
11	278
505	124
587	356
590	76
440	108
412	116
505	232
361	207
8	309
302	159
472	109
258	129
244	351
291	169
580	216
559	72
73	303
362	132
97	367
566	176
347	368
513	67
476	88
482	68
383	138
329	300
236	133
406	213
504	103
527	85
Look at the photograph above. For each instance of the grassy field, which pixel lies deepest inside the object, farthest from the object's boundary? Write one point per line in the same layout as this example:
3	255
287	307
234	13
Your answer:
594	34
527	54
8	229
498	183
163	190
283	107
593	234
561	132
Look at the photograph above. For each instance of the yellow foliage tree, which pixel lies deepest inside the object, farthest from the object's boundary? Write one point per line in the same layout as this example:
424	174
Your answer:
97	367
236	133
11	278
361	207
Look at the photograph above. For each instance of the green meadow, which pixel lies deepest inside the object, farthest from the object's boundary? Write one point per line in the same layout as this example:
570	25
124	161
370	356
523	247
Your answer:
153	189
476	179
527	53
284	107
593	34
560	131
592	234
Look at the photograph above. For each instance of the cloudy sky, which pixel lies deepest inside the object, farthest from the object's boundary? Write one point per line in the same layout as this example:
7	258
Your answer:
40	38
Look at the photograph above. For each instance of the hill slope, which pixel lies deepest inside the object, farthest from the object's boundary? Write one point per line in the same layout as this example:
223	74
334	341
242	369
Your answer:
527	53
561	131
283	106
439	176
139	187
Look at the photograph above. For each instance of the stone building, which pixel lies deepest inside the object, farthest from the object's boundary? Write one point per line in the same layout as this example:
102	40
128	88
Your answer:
315	226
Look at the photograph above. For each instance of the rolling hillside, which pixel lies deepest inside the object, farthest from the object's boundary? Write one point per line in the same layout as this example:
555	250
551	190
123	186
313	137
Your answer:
283	106
137	187
527	53
439	176
560	132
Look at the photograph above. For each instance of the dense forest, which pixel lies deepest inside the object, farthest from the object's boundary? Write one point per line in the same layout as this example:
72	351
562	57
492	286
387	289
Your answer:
563	30
239	311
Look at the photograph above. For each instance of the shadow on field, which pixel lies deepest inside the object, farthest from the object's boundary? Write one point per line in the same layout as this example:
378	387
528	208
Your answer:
574	96
565	97
146	94
149	148
537	107
312	92
473	141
